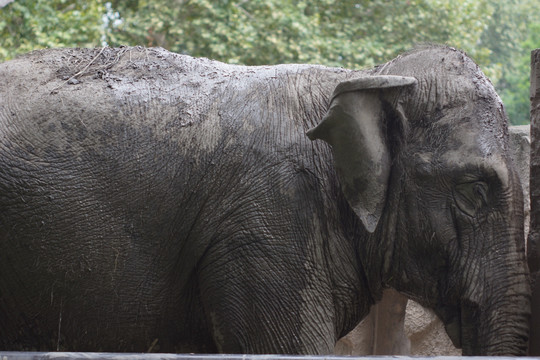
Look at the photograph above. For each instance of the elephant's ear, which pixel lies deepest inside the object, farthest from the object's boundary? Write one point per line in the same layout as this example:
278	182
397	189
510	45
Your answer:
354	127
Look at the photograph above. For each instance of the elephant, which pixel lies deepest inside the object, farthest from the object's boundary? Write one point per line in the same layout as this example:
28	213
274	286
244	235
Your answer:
151	201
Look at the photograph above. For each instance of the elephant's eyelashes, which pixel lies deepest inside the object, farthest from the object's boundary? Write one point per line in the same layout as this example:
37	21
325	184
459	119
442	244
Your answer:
480	190
471	196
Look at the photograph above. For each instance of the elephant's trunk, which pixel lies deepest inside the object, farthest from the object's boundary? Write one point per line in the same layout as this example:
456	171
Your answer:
499	325
495	303
506	334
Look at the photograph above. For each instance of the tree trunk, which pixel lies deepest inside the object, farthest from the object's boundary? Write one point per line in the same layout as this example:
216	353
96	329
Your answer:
533	247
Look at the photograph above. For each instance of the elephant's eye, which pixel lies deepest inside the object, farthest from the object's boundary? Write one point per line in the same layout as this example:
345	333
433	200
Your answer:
471	196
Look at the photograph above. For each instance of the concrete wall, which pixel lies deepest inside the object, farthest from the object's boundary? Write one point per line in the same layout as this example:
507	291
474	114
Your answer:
396	326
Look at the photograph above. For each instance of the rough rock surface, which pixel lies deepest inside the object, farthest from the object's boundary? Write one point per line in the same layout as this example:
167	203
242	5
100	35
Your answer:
399	327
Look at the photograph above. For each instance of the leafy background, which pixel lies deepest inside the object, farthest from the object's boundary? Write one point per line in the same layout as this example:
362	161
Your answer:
498	34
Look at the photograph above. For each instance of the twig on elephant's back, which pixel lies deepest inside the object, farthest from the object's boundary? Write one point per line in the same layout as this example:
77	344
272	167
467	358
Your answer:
80	72
110	65
83	71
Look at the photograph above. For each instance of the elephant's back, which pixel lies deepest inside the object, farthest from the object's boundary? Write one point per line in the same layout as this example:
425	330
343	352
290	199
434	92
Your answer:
94	96
143	136
130	143
150	88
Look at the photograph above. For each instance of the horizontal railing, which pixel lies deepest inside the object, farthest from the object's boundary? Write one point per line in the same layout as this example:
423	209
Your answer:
157	356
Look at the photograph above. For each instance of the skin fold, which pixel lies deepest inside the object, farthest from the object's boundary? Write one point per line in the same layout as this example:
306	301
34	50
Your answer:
153	201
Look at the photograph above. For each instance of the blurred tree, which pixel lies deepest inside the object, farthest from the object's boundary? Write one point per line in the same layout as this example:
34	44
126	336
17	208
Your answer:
27	25
513	31
349	33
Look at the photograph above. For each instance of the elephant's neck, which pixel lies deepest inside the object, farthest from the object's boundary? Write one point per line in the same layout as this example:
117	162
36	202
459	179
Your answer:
387	233
376	250
362	277
372	258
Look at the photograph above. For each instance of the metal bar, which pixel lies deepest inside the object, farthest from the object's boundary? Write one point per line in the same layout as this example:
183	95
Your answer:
157	356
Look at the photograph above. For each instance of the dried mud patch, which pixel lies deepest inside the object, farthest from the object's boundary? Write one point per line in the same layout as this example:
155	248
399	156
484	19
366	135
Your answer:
73	66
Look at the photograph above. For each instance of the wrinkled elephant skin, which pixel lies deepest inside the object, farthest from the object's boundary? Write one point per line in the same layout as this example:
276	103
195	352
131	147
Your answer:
155	202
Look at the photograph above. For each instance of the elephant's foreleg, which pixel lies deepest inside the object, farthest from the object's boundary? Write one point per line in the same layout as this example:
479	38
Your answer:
256	302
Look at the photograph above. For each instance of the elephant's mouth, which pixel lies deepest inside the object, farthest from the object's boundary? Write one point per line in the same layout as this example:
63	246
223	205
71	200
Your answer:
453	329
462	327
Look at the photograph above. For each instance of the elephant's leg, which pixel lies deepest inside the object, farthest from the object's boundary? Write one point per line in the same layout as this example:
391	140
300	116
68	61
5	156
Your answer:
259	298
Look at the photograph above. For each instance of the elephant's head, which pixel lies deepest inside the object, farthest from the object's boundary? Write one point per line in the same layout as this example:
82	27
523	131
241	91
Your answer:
420	149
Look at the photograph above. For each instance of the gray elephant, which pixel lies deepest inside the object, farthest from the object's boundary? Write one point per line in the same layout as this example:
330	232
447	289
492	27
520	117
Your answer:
152	201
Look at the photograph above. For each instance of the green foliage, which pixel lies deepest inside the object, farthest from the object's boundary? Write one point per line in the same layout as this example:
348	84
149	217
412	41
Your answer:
26	25
345	33
513	32
514	87
498	34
